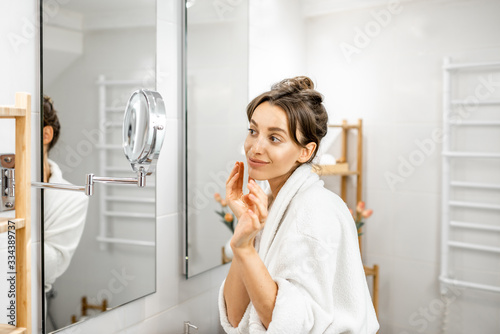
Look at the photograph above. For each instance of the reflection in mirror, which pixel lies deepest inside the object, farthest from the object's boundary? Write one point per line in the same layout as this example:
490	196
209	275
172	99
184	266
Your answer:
217	94
100	250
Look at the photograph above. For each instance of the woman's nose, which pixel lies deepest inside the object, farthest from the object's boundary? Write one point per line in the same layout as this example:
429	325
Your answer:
257	146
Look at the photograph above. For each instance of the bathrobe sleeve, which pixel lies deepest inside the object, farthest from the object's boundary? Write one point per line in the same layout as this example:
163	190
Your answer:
65	215
224	321
317	259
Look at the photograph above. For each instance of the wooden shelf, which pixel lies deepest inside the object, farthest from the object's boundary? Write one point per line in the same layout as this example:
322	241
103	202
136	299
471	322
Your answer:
8	329
337	169
4	221
9	112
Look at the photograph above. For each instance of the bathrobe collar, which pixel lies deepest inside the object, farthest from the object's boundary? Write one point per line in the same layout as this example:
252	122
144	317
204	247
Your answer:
300	179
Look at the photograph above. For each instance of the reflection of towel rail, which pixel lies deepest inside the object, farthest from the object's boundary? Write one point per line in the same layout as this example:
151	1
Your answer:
126	241
108	117
129	214
130	199
118	169
110	147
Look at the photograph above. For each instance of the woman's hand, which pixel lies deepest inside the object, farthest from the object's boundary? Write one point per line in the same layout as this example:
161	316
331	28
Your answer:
252	220
237	202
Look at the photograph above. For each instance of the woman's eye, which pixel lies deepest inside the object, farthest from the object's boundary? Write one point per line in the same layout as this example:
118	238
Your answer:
251	131
275	141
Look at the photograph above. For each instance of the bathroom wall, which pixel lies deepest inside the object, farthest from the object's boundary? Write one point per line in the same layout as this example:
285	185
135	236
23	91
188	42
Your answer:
393	80
276	43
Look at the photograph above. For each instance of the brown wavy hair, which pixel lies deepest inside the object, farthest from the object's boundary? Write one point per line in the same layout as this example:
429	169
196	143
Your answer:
303	106
50	118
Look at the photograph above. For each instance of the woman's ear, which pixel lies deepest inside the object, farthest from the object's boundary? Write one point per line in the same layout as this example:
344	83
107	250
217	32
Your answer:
48	134
307	152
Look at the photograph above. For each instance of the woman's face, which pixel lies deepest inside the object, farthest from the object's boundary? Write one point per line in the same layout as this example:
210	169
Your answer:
269	141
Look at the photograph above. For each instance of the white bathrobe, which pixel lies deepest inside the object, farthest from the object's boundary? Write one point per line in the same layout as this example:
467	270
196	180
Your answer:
310	248
64	219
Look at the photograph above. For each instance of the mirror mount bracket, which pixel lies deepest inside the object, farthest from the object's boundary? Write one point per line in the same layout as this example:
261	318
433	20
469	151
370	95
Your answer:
91	179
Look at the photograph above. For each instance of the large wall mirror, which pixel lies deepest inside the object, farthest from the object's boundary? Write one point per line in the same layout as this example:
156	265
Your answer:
99	251
216	97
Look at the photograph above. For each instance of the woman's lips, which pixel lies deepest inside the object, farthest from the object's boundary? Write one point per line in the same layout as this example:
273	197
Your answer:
254	163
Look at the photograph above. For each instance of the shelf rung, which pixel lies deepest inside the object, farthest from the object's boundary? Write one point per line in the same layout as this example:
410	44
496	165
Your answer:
129	214
8	329
475	226
466	284
470	65
466	245
474	185
10	112
475	123
458	154
126	242
4	224
474	205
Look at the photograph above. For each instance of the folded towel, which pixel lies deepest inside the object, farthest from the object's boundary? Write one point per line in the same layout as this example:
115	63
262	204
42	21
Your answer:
310	248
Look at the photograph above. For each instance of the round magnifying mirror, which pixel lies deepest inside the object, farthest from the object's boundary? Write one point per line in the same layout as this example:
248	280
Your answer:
144	130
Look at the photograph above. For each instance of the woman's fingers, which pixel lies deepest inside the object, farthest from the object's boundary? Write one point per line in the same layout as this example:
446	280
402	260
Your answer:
231	184
257	191
233	172
241	171
262	209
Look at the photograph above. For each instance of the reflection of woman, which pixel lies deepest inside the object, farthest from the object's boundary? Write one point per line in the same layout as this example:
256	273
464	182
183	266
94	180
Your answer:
296	266
64	211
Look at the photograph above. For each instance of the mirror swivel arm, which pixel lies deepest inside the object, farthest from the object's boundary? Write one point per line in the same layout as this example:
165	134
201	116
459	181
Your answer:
90	179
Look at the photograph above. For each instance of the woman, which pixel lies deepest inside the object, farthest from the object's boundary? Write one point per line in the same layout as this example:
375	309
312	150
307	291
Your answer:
64	211
296	265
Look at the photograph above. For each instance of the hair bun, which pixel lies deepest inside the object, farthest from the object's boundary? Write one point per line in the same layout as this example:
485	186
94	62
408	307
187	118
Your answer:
296	84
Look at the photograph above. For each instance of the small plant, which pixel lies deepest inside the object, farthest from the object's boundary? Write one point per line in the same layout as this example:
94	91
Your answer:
227	217
361	213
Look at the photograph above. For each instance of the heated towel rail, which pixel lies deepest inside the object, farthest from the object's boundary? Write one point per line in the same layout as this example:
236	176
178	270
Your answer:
482	96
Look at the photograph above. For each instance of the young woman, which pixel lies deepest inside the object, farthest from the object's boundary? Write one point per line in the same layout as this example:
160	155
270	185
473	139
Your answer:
296	265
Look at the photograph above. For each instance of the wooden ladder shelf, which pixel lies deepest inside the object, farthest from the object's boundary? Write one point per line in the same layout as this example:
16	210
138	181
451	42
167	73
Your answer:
21	112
